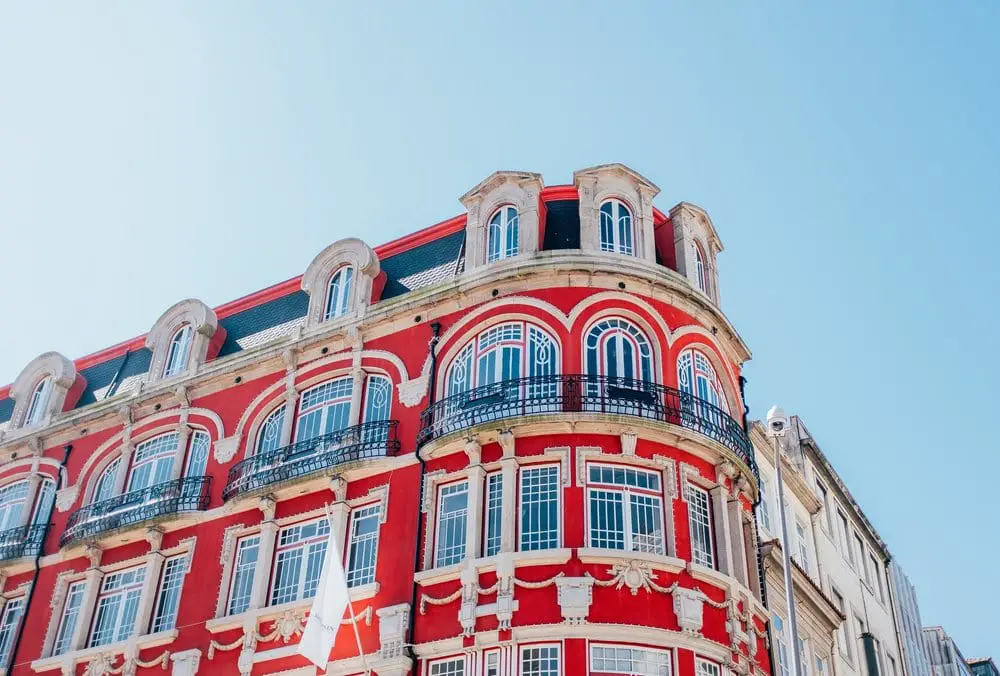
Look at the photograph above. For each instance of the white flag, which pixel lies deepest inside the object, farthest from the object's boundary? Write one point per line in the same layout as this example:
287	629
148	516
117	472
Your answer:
328	608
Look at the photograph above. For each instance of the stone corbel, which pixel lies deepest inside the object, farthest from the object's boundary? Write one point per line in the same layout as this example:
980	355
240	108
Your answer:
267	505
473	451
66	497
181	394
507	443
154	536
629	440
411	392
393	622
470	598
338	486
575	596
93	554
689	606
225	449
186	662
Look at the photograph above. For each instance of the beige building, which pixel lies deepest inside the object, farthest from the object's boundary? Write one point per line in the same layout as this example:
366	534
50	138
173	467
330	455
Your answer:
840	579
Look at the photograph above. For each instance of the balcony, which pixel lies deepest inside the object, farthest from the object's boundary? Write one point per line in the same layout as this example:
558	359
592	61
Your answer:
554	394
21	541
303	458
190	494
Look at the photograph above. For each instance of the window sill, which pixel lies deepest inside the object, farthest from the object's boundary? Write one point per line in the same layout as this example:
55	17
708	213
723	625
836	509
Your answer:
75	657
661	561
255	617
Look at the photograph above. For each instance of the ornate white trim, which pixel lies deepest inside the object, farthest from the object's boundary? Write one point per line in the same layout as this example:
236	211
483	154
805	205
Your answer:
316	279
519	189
190	312
63	375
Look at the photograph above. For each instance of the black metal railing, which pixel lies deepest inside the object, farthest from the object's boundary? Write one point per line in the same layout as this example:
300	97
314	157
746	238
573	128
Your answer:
182	495
21	541
360	442
553	394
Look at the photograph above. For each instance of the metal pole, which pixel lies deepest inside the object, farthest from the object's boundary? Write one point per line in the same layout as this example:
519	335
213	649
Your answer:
786	555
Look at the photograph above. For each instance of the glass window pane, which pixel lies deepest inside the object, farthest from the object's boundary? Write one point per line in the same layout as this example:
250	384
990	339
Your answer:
539	508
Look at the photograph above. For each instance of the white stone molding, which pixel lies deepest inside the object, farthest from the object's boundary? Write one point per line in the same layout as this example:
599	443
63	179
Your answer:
185	662
190	312
66	497
393	623
224	450
689	606
575	596
693	230
518	189
616	181
316	279
412	392
62	374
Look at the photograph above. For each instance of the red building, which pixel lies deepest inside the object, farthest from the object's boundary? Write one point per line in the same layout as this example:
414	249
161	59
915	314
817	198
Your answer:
523	427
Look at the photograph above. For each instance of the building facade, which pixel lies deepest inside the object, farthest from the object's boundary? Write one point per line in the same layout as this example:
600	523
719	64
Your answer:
522	428
943	655
839	551
908	620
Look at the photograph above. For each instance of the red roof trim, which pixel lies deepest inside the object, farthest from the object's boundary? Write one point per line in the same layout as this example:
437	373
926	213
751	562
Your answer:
560	192
429	234
259	297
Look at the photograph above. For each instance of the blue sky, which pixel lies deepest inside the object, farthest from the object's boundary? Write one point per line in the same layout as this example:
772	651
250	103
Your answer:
847	153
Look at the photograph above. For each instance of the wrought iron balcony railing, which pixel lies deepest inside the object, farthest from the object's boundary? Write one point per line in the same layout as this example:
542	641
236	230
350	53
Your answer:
21	541
360	442
553	394
189	494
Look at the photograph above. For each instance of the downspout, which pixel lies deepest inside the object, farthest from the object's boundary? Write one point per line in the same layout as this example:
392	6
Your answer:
432	384
38	557
896	615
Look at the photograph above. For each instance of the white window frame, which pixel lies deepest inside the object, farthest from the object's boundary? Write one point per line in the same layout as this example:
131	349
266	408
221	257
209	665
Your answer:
824	497
523	650
480	361
840	602
522	532
178	351
10	619
447	666
120	629
341	392
239	566
39	402
166	608
15	496
493	514
269	432
701	270
876	577
697	376
706	667
69	617
104	487
163	453
802	542
197	437
338	293
454	552
504	221
357	576
628	492
491	663
311	546
656	653
595	349
702	557
783	654
618	211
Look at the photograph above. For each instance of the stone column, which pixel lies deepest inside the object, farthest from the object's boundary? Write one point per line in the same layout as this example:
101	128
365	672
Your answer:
736	544
34	481
340	513
288	422
474	521
723	543
508	494
265	555
92	585
154	566
183	434
123	466
357	387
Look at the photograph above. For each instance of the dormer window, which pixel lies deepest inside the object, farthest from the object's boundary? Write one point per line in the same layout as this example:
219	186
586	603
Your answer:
177	354
616	228
701	269
502	239
338	294
39	402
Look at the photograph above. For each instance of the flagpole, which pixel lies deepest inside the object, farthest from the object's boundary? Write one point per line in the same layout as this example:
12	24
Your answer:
350	608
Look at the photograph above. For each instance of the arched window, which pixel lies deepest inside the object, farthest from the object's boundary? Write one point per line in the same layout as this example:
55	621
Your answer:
696	376
701	270
177	353
324	409
338	293
39	402
269	434
45	501
13	502
197	462
105	487
616	228
502	239
619	351
502	353
378	398
152	462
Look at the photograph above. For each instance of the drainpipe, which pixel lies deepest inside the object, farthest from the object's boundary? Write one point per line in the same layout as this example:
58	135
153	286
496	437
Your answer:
432	385
38	557
743	397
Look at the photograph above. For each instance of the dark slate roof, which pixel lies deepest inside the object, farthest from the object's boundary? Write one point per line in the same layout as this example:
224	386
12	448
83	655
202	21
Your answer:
121	374
264	323
562	225
424	265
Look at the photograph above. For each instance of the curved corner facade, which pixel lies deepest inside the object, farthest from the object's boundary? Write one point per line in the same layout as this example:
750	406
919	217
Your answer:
522	428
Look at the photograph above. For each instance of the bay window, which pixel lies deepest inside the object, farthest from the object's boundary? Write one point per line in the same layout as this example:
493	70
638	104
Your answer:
362	550
453	511
168	599
703	667
68	619
540	660
117	606
608	660
452	666
241	586
539	525
625	509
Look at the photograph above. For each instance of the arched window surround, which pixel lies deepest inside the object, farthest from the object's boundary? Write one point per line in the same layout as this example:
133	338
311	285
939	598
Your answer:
628	343
617	227
28	490
195	324
502	234
637	318
366	284
520	190
64	387
695	237
338	293
597	185
725	374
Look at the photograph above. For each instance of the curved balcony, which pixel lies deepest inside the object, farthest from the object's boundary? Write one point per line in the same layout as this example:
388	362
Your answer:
303	458
553	394
190	494
21	541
